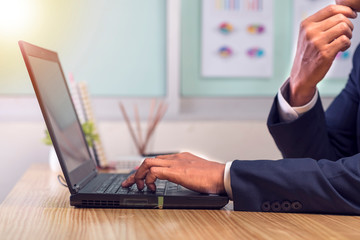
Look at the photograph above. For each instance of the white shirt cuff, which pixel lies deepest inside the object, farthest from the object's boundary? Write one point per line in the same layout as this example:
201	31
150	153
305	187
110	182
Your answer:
288	113
227	180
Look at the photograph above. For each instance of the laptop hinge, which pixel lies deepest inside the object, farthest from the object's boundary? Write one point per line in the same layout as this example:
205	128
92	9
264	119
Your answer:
85	181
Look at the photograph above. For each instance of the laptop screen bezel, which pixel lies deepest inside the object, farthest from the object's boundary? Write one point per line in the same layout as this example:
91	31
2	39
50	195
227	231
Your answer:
81	175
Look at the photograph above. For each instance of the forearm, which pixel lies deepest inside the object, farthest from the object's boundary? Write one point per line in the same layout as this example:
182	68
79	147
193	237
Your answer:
309	186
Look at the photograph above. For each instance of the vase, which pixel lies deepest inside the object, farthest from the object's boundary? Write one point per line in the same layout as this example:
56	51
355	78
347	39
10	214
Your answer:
54	161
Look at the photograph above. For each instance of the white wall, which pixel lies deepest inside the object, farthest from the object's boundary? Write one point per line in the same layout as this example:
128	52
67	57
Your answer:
20	143
20	146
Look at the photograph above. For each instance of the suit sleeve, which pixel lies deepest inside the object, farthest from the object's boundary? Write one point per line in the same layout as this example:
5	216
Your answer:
291	185
320	172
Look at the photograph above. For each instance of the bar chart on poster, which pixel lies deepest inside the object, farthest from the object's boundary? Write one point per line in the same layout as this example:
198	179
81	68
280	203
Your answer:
237	38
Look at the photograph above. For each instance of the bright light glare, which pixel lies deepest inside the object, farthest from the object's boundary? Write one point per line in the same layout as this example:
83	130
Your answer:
14	15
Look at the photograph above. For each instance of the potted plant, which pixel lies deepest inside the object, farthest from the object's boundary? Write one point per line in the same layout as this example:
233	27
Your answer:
90	135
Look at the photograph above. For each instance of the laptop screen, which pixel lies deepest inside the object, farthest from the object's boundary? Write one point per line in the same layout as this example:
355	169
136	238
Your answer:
59	114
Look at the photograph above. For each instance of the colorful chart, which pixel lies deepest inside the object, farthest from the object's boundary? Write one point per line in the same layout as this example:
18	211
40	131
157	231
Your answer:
235	5
256	29
227	4
255	52
226	28
343	55
237	38
225	52
255	5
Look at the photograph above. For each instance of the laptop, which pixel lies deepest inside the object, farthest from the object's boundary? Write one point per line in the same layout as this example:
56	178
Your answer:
89	188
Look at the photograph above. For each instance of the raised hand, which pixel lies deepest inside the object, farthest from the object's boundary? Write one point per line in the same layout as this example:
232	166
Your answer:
322	36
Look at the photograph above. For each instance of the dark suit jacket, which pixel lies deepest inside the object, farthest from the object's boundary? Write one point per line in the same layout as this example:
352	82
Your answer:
320	172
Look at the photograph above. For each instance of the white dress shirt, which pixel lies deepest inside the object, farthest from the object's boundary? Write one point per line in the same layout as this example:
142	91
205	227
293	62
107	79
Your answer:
287	114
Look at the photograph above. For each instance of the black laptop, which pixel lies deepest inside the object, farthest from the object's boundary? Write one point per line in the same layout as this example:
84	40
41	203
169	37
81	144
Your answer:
88	187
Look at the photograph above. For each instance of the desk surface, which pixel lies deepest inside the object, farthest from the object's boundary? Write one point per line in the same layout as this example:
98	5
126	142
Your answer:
38	208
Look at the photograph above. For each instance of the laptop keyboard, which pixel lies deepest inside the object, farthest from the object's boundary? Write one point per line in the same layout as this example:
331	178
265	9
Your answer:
112	185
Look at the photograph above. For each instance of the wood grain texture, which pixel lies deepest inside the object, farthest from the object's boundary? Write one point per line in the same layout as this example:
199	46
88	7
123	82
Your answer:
38	208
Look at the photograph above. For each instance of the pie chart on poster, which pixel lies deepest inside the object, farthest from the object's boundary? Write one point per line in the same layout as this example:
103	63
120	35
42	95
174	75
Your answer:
255	52
225	52
256	29
226	28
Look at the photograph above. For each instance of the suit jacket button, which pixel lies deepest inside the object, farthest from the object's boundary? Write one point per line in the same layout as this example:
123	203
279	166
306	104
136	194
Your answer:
276	206
286	206
266	206
296	205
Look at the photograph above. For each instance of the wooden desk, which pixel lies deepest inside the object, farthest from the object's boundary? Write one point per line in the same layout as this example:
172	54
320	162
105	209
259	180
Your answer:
38	208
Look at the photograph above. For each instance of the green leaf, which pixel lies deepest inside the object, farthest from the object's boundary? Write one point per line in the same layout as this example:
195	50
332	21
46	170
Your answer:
88	129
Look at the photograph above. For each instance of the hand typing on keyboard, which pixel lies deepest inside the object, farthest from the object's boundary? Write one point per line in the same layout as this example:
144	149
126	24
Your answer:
186	169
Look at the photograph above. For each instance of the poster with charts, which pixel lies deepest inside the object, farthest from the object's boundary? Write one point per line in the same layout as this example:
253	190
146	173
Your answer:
343	62
237	38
